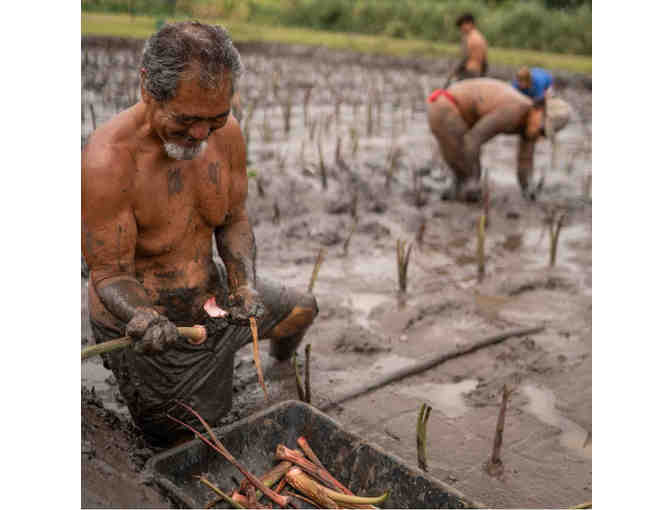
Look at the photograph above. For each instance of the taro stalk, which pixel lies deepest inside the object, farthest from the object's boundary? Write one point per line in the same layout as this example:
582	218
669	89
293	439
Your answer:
494	466
421	232
480	247
322	165
93	116
276	213
248	120
316	270
220	448
403	257
282	160
326	123
421	435
369	114
338	100
485	192
326	497
312	456
266	131
297	376
302	155
393	157
417	188
587	185
275	474
287	110
555	235
346	244
379	108
355	109
312	127
307	373
260	187
354	140
257	360
306	101
222	495
316	469
337	150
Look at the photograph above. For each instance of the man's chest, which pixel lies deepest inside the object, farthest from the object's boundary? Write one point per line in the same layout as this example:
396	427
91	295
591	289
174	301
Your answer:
182	195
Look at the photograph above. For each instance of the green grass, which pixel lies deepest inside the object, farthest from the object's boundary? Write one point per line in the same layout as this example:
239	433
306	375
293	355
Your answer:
140	27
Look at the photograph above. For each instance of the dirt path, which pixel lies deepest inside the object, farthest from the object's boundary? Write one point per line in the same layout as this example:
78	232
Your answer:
363	329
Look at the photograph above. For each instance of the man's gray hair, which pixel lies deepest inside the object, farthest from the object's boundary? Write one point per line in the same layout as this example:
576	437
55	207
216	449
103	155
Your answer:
192	47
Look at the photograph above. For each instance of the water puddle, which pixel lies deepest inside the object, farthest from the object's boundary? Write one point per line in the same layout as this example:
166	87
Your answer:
542	407
94	375
362	304
447	398
392	362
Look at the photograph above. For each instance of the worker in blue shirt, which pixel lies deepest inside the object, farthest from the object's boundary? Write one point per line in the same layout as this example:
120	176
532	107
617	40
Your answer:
535	83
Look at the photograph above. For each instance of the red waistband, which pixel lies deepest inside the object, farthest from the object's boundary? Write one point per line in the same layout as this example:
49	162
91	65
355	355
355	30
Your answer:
441	92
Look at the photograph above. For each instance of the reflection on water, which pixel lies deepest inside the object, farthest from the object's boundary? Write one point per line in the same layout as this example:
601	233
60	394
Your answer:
542	406
447	398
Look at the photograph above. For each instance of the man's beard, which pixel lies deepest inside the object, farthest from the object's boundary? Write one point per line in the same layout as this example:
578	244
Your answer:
180	153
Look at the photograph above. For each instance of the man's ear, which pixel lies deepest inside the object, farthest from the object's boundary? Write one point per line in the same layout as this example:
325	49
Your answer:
143	91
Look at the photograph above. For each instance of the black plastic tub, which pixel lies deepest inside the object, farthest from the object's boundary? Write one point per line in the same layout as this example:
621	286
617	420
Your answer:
360	465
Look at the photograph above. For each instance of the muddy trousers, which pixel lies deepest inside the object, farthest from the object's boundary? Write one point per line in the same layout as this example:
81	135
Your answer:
201	375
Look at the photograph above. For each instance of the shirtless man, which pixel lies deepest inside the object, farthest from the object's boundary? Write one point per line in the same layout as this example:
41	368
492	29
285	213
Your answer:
157	181
474	63
471	112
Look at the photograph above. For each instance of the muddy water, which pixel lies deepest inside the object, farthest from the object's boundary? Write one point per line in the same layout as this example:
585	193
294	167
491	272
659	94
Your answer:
446	398
364	330
542	406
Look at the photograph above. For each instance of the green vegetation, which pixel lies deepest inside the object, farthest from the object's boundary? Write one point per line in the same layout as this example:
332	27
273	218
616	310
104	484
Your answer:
558	26
140	27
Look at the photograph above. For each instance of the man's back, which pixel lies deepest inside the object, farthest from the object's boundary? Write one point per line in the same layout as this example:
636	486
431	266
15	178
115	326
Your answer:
478	97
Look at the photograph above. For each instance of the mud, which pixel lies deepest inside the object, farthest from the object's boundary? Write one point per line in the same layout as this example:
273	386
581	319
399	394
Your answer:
386	165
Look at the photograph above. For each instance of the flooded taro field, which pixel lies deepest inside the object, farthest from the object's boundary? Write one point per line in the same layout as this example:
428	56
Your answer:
341	160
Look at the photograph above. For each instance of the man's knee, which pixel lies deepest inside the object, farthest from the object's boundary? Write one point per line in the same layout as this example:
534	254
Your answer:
299	318
287	335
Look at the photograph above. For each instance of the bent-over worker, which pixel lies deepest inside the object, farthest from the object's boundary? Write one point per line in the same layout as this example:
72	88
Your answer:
469	113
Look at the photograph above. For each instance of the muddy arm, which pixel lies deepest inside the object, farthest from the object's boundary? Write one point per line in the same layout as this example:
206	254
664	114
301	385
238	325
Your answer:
502	120
109	232
525	162
238	250
235	238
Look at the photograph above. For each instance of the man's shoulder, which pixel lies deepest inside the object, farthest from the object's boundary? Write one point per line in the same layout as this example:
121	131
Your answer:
478	37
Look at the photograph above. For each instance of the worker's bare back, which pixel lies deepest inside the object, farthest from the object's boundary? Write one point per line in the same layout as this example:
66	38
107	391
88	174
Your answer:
152	217
478	97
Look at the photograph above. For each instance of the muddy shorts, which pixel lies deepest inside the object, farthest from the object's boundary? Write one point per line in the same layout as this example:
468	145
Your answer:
198	375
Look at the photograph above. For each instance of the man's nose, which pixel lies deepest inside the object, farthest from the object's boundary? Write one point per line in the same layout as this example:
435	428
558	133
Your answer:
199	131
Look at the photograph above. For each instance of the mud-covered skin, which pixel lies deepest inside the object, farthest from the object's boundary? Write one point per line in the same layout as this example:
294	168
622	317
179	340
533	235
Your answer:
148	219
474	62
151	331
483	108
148	225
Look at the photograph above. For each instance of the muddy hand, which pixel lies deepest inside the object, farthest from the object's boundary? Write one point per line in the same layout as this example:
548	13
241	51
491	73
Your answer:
151	332
245	303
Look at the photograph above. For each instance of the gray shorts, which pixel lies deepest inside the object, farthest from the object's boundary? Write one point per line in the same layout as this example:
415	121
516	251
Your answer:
198	375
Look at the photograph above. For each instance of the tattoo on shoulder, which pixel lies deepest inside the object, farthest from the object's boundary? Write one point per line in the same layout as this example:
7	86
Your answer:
175	180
